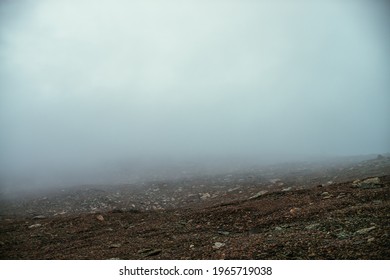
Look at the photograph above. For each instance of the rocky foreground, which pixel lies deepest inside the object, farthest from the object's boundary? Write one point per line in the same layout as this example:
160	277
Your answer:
287	211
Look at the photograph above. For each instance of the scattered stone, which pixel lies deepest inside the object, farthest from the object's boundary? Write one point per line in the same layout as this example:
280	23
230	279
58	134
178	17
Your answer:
326	195
365	230
286	189
260	193
342	235
312	226
157	207
100	218
182	223
39	217
204	196
380	157
274	181
341	195
370	239
218	245
115	245
223	232
234	189
368	183
149	252
35	226
278	228
295	210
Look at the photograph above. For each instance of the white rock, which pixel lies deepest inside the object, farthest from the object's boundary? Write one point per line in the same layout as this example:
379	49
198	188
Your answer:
218	245
260	193
368	183
35	226
365	230
273	181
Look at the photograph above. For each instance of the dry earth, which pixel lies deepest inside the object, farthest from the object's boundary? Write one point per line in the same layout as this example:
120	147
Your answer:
290	211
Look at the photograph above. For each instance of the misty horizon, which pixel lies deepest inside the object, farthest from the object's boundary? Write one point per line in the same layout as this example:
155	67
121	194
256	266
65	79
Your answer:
88	89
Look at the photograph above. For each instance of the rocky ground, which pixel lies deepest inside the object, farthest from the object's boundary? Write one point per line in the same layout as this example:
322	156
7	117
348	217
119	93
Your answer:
306	210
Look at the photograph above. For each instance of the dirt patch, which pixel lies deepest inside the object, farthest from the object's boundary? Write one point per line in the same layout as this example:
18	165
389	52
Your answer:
315	212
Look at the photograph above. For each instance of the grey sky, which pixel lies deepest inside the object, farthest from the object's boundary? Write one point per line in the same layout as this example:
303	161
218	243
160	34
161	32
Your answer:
83	82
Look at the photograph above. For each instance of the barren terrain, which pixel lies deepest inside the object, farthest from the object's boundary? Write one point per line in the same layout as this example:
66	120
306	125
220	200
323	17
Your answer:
287	211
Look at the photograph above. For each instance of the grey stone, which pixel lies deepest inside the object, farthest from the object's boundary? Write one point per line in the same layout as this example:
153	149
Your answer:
367	183
365	230
312	226
260	193
218	245
38	217
35	226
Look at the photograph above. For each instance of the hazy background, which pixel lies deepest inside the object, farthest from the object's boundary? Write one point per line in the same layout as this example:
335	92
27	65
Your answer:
90	88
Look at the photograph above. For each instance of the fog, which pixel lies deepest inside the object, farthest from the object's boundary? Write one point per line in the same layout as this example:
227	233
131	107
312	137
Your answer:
101	91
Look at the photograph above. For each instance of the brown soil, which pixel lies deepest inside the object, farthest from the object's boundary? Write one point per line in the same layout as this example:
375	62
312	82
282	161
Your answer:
298	211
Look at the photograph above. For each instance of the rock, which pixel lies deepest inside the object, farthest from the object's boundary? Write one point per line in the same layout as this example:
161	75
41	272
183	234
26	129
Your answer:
182	223
295	210
286	189
204	196
35	226
218	245
380	157
100	218
312	226
234	189
342	235
371	239
341	195
365	230
149	252
115	245
278	228
325	194
223	232
367	183
39	217
274	181
260	193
